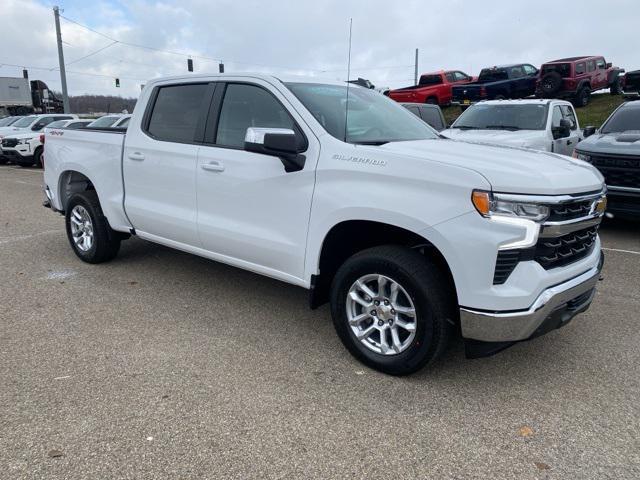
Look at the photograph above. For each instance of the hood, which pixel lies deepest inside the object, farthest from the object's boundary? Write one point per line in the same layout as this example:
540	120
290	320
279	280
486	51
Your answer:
20	135
623	143
6	131
509	169
518	138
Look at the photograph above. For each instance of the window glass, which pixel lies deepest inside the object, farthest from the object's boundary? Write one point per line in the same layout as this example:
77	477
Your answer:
247	106
579	68
176	111
461	76
25	122
57	124
450	77
124	123
563	69
624	119
430	80
517	72
77	125
432	117
591	66
557	116
601	63
492	75
482	116
104	122
413	109
567	113
529	69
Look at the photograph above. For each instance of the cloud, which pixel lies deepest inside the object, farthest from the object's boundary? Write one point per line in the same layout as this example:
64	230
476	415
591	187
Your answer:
308	38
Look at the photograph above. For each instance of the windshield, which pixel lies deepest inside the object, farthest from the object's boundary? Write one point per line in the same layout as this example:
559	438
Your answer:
5	122
503	117
372	118
25	122
104	122
564	69
492	75
57	124
622	120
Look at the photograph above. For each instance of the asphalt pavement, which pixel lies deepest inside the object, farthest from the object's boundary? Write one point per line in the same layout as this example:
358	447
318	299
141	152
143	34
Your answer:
161	364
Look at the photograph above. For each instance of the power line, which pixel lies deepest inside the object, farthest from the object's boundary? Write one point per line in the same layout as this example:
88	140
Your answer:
92	53
49	69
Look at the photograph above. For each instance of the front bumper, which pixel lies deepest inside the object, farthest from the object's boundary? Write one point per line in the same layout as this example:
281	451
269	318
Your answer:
17	156
624	202
553	308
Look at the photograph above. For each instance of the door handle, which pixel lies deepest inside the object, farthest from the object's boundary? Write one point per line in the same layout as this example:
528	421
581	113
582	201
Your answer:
136	156
213	166
569	142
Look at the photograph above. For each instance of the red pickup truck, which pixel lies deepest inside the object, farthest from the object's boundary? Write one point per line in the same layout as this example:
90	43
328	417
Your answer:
432	88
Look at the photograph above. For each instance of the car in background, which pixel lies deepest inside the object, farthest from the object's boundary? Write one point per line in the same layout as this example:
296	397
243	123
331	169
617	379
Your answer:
498	83
430	114
614	149
8	121
576	78
631	85
111	121
71	123
434	88
547	125
23	145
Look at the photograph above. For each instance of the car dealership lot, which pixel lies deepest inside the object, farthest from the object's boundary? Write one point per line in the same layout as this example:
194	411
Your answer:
165	365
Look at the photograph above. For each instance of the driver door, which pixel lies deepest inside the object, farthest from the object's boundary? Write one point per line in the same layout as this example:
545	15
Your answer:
251	212
564	141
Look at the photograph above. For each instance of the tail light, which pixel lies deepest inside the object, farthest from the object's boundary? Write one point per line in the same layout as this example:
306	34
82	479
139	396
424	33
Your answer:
42	138
483	92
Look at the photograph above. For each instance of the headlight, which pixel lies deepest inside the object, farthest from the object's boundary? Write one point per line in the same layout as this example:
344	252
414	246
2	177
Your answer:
581	156
490	205
23	141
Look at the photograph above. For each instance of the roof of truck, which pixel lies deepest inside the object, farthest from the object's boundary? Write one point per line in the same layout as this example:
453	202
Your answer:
573	59
262	76
525	101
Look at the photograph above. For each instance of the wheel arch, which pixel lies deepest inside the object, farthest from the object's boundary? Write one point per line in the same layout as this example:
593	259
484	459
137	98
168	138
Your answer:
348	237
71	182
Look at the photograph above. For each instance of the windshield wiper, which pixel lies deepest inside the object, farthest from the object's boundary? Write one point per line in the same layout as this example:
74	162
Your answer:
465	127
372	142
502	127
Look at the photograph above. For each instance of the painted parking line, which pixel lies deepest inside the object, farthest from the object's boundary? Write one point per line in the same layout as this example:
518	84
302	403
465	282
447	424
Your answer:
620	251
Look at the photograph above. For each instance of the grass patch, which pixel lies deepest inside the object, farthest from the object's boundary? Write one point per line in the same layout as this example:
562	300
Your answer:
598	110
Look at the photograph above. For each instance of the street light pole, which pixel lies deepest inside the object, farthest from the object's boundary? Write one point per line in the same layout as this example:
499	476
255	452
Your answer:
63	74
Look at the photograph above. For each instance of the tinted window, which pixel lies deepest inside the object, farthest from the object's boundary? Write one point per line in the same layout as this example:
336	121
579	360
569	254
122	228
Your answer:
372	118
601	63
176	111
563	69
579	68
622	120
450	77
530	69
432	117
591	66
461	76
517	72
430	80
124	123
413	109
503	117
567	113
247	106
493	75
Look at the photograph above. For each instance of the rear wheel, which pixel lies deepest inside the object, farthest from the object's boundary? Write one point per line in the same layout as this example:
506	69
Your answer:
391	309
37	157
582	97
432	101
615	88
88	230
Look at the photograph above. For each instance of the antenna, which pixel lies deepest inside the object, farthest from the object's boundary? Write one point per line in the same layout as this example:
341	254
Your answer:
346	110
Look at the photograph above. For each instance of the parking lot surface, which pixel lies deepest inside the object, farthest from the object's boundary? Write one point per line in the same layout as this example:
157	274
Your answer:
160	364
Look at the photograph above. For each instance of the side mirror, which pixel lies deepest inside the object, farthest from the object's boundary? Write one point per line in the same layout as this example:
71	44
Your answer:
278	142
588	131
609	65
563	130
37	126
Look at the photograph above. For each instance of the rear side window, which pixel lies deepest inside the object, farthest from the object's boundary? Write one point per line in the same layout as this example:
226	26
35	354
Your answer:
591	66
247	106
413	109
432	117
176	112
579	68
493	75
430	80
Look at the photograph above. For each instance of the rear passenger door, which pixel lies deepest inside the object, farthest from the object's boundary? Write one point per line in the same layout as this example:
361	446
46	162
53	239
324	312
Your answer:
251	213
159	164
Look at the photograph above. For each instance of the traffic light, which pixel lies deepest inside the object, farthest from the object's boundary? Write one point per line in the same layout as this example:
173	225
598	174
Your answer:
221	67
189	65
118	82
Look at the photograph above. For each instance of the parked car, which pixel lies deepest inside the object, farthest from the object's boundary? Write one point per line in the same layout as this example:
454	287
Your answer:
549	125
23	146
111	121
8	121
614	149
432	88
408	235
71	123
631	85
501	82
431	114
576	78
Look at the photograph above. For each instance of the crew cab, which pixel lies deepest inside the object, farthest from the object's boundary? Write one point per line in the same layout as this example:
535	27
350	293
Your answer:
614	149
430	114
22	145
631	85
576	78
409	236
500	82
432	88
548	125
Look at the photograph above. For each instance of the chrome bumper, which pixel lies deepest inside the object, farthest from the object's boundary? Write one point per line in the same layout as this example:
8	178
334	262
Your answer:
558	304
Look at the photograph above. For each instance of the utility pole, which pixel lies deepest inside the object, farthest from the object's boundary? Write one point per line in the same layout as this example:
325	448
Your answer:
415	72
63	74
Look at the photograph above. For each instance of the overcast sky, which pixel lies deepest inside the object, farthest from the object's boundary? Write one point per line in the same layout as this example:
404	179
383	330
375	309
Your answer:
307	37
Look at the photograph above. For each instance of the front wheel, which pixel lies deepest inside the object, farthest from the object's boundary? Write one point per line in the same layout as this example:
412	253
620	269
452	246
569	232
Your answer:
88	230
582	97
615	88
391	309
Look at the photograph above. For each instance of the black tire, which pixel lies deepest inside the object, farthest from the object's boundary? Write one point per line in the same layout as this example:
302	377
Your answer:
24	164
615	88
3	160
550	84
106	242
433	299
432	101
582	97
37	158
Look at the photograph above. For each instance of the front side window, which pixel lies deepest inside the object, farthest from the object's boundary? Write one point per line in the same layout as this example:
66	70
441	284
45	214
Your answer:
557	116
517	72
247	106
601	64
503	117
567	114
530	69
450	77
371	118
461	76
176	112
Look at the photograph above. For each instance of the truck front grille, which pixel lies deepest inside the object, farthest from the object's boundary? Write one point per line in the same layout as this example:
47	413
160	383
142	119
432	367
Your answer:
9	142
569	211
560	251
619	171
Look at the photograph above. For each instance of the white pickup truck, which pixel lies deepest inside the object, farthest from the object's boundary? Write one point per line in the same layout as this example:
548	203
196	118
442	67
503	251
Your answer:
411	237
